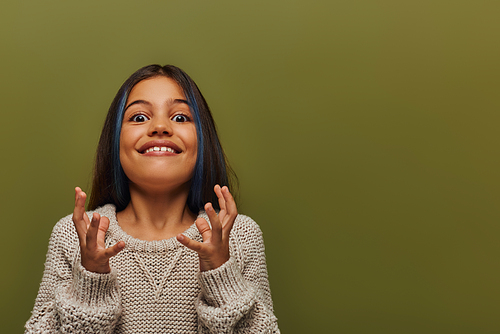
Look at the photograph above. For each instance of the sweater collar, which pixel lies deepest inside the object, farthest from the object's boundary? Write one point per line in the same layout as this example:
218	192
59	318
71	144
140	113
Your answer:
115	234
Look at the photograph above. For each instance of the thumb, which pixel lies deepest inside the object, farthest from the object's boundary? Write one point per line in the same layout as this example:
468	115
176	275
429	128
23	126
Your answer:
189	243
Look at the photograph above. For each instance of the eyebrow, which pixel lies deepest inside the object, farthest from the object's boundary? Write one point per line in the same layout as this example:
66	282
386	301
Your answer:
171	102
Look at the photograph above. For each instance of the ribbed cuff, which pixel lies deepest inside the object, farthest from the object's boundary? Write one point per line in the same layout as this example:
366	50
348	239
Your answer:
222	285
94	289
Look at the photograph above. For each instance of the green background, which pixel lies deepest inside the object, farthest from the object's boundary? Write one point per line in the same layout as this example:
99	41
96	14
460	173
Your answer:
364	133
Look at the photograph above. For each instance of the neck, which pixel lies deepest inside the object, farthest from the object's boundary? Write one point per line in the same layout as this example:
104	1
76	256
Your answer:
156	215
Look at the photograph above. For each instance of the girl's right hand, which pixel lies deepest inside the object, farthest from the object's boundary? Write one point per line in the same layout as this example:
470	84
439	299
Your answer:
95	256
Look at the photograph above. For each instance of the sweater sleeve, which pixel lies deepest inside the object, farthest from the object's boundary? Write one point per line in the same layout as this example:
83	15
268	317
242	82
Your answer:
236	298
70	298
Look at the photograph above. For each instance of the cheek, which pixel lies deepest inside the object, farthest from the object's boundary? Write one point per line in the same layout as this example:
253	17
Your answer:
194	143
189	138
126	144
123	160
128	137
191	144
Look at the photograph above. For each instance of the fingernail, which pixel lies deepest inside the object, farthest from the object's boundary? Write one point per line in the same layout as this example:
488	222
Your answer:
180	237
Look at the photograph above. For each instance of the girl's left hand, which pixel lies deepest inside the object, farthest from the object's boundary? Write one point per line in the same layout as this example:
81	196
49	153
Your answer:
214	250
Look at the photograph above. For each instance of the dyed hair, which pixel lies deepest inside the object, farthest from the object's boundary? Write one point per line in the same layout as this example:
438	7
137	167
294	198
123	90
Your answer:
111	185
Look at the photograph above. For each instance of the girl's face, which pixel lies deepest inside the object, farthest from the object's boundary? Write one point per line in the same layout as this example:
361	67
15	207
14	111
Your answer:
158	145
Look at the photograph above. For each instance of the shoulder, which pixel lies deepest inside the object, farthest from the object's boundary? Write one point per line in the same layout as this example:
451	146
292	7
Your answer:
245	227
246	238
64	230
108	210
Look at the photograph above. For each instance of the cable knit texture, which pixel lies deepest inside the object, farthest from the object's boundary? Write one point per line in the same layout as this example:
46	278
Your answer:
154	286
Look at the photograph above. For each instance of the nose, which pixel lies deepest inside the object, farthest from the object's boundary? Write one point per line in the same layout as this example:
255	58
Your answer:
160	127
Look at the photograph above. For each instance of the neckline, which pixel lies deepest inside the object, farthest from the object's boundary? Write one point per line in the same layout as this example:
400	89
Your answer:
118	234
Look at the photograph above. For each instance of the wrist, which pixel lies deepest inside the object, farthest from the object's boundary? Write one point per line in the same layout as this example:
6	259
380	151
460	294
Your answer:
212	264
96	268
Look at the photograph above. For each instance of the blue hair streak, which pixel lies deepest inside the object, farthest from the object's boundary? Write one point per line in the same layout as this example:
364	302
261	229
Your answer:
119	177
195	199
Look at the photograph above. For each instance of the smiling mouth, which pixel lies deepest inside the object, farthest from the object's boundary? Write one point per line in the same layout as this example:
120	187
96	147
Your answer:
160	149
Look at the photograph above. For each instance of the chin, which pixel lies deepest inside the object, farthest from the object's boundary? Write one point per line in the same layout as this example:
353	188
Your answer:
162	184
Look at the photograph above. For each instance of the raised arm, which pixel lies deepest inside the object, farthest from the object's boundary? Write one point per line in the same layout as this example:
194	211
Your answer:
72	299
235	295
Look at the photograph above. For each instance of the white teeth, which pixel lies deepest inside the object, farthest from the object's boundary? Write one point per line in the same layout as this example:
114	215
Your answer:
158	149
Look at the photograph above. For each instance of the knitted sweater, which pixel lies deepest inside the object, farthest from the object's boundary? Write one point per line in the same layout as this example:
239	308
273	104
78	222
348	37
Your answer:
154	286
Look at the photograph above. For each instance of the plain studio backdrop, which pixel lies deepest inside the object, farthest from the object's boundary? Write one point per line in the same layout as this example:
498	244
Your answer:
365	135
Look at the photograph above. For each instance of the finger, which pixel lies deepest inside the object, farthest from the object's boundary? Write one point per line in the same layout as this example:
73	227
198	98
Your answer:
204	228
86	220
77	191
229	200
189	243
80	198
79	214
231	209
220	196
113	250
101	233
215	222
92	231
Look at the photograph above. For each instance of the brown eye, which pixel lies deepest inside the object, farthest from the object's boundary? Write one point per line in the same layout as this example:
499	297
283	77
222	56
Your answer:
139	118
180	118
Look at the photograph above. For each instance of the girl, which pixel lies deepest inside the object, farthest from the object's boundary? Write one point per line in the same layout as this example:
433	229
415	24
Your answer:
163	248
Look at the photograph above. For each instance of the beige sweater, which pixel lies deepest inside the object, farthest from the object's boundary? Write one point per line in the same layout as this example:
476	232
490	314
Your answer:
154	286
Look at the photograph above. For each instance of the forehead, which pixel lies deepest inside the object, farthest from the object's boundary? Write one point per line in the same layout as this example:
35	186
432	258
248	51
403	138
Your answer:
156	89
